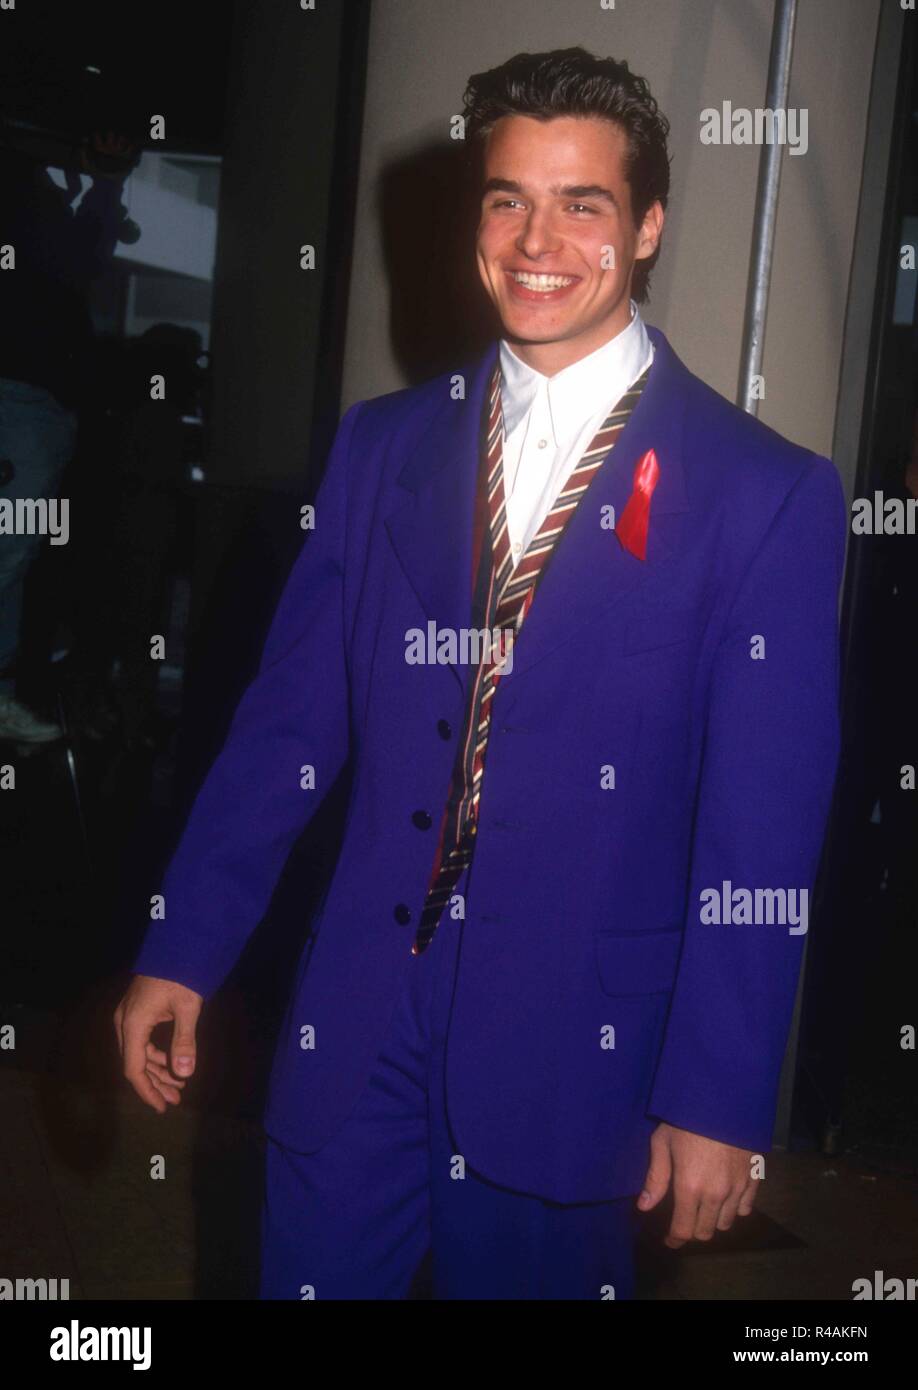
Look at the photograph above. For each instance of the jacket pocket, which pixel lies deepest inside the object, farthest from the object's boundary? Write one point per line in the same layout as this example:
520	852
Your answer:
643	962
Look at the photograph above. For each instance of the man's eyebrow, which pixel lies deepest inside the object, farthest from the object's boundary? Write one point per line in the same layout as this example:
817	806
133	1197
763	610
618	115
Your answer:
501	186
587	190
570	190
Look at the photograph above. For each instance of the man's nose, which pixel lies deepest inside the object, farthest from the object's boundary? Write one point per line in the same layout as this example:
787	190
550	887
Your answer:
537	236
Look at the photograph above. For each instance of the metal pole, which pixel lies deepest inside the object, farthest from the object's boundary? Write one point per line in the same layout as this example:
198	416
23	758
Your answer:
766	207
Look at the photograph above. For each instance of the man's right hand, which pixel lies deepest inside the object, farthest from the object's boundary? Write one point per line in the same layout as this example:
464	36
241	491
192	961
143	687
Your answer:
156	1078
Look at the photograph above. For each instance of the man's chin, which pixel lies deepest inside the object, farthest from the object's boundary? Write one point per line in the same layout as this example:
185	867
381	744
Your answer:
516	332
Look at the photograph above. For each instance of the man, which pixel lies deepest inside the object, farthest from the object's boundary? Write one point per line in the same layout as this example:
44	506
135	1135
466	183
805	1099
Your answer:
517	1014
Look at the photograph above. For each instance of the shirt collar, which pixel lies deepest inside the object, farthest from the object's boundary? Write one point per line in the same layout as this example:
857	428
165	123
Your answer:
580	390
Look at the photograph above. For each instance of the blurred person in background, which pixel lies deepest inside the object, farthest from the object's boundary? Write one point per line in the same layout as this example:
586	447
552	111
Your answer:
46	361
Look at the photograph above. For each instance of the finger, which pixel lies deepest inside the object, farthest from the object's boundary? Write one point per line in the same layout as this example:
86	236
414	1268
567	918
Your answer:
706	1216
136	1035
685	1211
161	1078
747	1200
168	1093
727	1214
148	1092
156	1054
659	1173
163	1074
183	1048
118	1021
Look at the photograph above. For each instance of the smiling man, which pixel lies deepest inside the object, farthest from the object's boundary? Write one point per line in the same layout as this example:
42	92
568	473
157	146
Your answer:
560	234
514	1027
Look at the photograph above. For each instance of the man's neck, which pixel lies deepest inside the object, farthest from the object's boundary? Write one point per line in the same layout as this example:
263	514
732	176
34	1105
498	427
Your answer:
550	358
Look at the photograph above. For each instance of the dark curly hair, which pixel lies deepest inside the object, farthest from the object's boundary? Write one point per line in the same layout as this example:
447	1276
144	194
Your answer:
573	82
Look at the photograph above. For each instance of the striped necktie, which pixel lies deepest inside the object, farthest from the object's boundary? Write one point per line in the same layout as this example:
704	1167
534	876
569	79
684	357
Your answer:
509	598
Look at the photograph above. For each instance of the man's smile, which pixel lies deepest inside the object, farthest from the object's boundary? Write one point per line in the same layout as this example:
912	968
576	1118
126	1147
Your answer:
538	288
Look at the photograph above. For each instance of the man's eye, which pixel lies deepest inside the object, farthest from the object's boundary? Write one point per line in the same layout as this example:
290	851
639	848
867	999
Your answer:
582	207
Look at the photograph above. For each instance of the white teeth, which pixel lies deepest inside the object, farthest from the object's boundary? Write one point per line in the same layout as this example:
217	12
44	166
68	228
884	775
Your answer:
542	282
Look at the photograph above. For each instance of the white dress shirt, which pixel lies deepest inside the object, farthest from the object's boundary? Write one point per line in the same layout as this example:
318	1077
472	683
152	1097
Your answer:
550	421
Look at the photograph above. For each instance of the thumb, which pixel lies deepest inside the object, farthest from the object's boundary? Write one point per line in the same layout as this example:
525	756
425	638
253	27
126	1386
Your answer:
183	1051
656	1181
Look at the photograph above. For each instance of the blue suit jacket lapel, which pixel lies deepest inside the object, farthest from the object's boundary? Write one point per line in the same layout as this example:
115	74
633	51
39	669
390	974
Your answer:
589	570
432	530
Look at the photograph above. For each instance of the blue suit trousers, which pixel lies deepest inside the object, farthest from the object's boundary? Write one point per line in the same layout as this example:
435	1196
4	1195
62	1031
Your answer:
355	1219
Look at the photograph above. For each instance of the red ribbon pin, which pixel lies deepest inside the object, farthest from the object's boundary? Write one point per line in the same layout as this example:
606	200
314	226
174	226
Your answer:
632	526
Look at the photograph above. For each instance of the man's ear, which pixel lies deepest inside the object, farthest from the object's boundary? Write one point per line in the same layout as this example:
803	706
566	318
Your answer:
651	231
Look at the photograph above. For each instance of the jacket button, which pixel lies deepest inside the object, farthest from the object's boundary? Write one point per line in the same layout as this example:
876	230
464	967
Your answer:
444	729
422	820
402	914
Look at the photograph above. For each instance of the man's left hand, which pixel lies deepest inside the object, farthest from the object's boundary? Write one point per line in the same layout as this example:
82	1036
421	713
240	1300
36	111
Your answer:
712	1183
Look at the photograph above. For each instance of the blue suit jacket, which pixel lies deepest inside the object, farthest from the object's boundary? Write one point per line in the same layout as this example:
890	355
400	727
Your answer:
592	999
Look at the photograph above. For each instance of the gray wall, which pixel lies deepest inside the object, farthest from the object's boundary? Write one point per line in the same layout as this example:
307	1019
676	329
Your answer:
695	54
273	199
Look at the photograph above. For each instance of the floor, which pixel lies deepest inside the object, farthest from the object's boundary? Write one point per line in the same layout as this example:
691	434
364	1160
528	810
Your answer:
125	1204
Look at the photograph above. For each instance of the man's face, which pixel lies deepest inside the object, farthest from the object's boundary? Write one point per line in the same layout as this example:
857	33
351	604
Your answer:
556	203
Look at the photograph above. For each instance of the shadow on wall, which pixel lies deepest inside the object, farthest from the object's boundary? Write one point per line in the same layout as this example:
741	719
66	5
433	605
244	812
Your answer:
439	313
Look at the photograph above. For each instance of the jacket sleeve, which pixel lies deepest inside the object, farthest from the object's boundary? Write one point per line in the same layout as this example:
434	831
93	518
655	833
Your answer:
768	769
253	804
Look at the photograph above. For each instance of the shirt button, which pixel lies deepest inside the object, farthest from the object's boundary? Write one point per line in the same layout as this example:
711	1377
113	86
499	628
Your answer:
402	914
543	443
517	548
444	729
422	820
